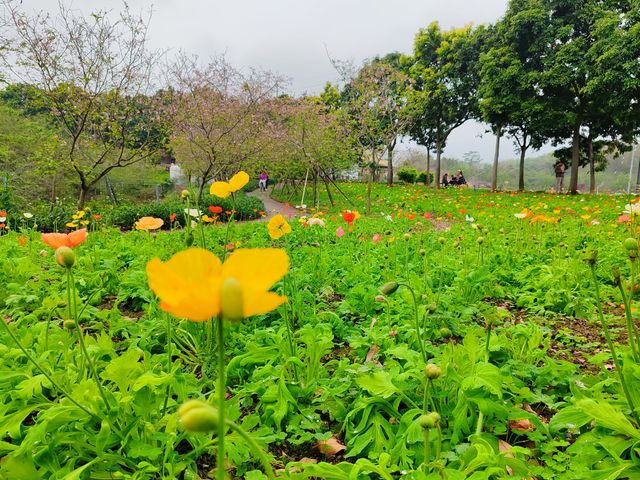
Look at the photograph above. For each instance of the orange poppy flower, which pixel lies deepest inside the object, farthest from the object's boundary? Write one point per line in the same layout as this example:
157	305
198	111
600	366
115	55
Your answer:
215	209
57	240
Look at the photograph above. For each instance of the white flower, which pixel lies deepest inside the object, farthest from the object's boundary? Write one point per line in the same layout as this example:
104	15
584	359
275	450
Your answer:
316	221
389	217
595	222
3	219
193	212
469	218
632	209
520	215
27	215
194	224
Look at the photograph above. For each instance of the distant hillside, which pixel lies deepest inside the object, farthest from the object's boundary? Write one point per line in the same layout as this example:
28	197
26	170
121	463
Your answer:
539	173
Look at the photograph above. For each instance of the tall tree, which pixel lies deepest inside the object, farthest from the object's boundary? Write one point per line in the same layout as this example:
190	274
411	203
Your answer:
444	94
221	118
375	112
93	73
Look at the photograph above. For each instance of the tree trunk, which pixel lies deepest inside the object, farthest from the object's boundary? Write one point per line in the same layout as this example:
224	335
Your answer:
523	151
427	181
496	156
438	154
390	148
575	159
592	167
84	191
369	183
201	185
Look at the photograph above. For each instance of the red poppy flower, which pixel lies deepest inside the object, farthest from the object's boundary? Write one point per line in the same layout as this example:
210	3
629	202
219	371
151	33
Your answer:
348	217
21	241
172	217
427	215
215	209
96	217
3	213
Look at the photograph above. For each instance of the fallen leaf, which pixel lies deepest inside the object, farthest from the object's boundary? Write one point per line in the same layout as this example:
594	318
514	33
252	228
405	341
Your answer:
373	351
330	447
521	425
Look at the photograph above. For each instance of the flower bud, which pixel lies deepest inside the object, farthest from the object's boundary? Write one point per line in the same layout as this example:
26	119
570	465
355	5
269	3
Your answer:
198	416
406	236
445	332
185	194
480	240
44	253
65	257
231	300
389	288
592	257
432	371
188	238
380	298
441	240
429	420
616	275
432	307
69	324
422	252
631	244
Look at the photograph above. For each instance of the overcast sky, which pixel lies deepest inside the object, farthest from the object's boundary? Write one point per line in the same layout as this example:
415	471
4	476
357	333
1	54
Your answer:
292	37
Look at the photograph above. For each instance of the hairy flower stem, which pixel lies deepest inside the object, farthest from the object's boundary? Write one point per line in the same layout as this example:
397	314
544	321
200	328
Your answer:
170	364
42	371
607	336
221	389
632	331
254	446
419	332
289	323
427	399
71	281
487	342
427	445
479	425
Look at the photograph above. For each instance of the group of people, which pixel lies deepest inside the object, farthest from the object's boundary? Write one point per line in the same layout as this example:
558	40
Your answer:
457	179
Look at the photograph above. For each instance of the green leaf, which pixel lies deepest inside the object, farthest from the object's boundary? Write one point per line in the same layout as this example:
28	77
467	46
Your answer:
378	384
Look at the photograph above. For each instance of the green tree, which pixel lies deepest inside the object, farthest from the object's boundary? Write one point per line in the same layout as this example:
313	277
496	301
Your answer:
444	94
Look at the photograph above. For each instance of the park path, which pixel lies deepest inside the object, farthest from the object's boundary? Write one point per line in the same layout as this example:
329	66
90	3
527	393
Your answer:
273	207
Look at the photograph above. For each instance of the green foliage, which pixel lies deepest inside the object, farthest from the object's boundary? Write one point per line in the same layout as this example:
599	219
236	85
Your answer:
408	175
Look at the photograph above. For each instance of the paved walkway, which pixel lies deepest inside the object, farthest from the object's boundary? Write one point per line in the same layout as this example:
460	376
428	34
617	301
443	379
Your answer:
273	207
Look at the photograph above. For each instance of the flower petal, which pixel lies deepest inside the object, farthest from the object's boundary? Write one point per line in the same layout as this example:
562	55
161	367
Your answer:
238	181
220	189
257	303
257	269
188	284
55	240
76	237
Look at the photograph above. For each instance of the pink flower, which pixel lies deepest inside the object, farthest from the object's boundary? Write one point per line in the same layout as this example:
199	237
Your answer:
339	232
376	238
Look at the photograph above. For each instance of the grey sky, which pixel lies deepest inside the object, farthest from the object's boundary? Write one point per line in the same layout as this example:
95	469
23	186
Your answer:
292	37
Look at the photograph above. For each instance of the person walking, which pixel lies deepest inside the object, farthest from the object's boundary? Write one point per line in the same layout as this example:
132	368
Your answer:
559	169
264	178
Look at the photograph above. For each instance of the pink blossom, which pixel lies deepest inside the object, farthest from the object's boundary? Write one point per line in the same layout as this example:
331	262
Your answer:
339	232
376	238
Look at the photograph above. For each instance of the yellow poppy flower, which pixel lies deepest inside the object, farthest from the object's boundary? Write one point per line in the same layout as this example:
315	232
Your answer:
224	189
278	227
193	282
149	223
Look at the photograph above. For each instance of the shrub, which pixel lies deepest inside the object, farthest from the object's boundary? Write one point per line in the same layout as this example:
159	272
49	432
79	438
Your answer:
422	177
408	175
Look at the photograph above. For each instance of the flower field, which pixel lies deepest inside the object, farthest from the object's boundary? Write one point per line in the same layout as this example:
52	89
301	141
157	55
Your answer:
449	334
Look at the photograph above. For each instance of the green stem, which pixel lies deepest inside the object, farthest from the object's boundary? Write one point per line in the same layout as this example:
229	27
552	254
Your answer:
417	322
221	390
632	332
607	336
170	364
480	422
486	346
42	371
254	446
83	347
427	446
